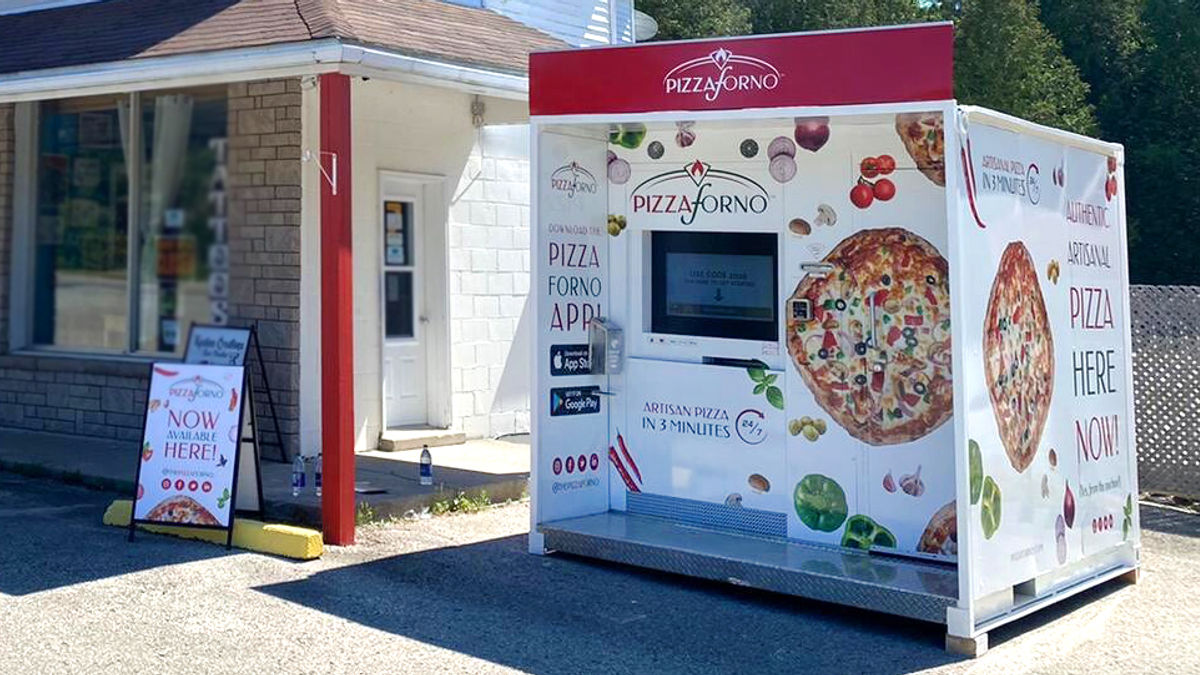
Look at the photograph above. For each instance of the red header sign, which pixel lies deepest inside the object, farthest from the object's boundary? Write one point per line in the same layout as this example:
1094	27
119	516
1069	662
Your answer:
882	65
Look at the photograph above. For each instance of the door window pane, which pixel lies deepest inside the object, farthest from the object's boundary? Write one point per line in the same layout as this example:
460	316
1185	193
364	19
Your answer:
80	270
398	304
397	233
183	252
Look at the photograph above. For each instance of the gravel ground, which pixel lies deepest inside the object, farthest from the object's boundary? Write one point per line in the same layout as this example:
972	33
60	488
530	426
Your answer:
460	595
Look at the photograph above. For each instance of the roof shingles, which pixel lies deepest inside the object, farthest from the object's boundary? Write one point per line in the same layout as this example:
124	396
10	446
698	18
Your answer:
116	30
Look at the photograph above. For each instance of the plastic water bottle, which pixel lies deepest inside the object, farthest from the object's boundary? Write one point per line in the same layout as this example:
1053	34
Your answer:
298	471
317	474
426	466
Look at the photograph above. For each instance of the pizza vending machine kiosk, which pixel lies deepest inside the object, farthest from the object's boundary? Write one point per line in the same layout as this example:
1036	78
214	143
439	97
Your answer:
824	334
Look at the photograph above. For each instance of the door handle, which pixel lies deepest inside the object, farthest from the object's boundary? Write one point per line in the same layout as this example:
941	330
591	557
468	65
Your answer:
423	319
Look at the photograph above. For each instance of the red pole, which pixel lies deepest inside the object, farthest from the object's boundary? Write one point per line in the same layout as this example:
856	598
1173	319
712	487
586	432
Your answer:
337	318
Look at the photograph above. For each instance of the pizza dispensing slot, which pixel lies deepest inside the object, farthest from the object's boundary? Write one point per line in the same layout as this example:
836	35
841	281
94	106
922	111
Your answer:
819	268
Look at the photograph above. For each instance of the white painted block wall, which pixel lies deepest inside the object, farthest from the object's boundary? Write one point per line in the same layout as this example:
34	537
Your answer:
489	281
427	130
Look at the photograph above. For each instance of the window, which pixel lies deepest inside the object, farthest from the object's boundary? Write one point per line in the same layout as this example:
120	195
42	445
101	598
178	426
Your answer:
398	301
98	283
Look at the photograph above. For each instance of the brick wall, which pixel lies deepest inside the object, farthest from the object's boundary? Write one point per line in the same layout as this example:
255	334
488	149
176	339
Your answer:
104	397
489	281
264	236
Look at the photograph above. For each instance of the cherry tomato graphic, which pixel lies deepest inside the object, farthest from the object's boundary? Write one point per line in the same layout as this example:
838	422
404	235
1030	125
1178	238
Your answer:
887	164
206	486
884	189
179	484
861	195
869	167
193	486
1112	163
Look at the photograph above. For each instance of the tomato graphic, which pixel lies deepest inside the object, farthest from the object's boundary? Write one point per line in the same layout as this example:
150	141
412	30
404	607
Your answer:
887	164
869	167
884	189
861	195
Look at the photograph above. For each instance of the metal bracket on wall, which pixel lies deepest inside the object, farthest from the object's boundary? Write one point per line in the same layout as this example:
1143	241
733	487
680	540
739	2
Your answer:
331	175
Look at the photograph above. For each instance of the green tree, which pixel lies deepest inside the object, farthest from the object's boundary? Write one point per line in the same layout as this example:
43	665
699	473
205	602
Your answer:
1162	142
785	16
1104	39
697	18
1004	58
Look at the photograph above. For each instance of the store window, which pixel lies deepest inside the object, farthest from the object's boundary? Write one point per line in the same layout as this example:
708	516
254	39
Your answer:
94	288
81	223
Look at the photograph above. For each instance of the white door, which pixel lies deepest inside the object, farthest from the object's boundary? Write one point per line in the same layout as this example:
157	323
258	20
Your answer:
402	307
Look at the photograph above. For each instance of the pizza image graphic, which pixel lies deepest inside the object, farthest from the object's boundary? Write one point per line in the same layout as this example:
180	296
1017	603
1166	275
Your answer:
875	350
1018	353
924	138
941	534
181	509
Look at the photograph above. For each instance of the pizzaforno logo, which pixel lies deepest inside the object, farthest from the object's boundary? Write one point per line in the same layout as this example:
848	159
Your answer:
719	72
196	388
572	179
698	188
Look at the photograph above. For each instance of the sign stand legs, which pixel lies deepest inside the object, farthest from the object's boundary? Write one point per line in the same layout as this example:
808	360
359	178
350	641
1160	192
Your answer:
262	367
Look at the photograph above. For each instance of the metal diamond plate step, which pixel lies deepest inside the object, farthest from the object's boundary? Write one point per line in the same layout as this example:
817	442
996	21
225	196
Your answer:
905	587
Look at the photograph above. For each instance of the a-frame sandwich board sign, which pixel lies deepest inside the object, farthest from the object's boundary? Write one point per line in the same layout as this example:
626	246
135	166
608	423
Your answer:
190	462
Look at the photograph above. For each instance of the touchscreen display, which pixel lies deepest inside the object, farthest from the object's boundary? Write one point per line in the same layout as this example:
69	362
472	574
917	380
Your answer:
720	286
715	284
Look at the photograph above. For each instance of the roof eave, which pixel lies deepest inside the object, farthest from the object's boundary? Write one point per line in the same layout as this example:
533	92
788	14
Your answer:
254	63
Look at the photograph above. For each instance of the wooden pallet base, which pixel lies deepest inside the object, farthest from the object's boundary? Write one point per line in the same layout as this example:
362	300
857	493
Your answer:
971	648
1132	577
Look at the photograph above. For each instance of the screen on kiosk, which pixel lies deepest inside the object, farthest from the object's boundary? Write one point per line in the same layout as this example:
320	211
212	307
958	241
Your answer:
714	284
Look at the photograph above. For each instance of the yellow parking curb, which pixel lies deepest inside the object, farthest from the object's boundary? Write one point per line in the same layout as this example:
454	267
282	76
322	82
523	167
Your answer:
288	541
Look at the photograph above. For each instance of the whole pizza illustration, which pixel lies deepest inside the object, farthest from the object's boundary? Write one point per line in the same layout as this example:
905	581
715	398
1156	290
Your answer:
925	140
941	534
1018	354
181	509
875	351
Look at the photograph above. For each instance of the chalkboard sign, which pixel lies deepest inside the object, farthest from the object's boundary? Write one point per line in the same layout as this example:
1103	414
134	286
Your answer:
217	345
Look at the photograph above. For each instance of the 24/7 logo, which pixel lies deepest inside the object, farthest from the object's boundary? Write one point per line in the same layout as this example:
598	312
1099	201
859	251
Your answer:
721	71
717	191
573	179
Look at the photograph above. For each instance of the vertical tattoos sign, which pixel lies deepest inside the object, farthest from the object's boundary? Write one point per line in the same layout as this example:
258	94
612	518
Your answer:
187	466
1045	335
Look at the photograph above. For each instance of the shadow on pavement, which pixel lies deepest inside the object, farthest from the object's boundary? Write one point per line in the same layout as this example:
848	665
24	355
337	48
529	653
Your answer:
51	536
1170	521
559	614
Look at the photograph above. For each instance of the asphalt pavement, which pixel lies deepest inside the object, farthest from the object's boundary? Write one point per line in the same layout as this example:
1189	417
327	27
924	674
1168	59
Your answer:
459	594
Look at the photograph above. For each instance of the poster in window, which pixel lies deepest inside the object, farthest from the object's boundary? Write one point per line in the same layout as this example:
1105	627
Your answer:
396	221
